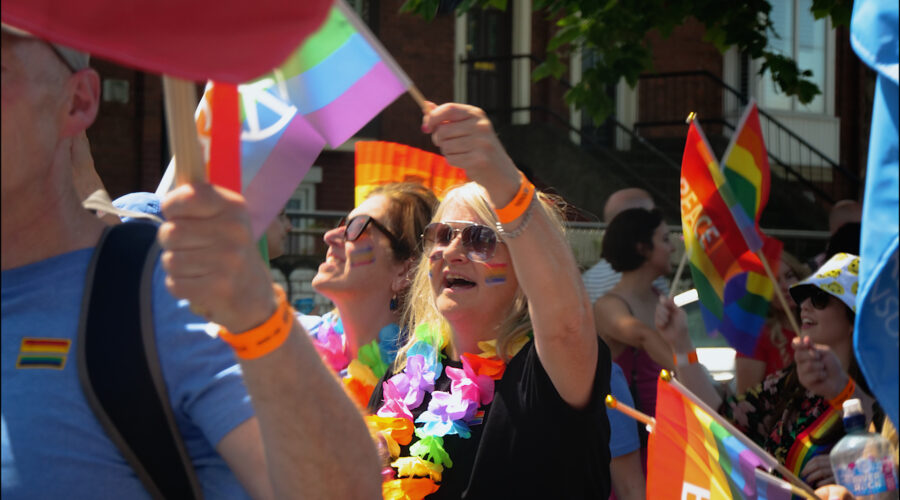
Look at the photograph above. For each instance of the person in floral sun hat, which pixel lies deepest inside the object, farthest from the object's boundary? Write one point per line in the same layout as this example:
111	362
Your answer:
795	413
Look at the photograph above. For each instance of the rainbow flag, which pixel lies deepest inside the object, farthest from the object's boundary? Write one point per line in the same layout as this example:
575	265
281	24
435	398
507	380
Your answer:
804	447
43	353
329	87
692	455
381	162
721	242
746	166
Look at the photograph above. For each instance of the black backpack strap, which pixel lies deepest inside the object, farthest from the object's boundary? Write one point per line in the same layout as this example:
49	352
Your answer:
118	364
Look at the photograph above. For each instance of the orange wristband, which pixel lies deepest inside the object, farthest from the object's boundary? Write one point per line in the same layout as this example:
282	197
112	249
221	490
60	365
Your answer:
520	202
691	358
265	338
845	394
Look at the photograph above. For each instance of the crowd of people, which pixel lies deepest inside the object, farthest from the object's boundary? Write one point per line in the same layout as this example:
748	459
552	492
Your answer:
467	357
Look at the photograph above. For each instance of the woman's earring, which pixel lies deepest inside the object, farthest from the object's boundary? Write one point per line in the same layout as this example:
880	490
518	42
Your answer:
394	302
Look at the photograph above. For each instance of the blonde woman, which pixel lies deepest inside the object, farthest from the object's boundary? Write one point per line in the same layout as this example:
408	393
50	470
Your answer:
366	273
499	391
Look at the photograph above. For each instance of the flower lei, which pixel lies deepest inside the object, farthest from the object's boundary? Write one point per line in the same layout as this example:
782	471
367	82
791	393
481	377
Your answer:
448	413
361	374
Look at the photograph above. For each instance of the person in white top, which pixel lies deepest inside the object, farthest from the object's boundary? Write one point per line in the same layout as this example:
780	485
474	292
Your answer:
601	278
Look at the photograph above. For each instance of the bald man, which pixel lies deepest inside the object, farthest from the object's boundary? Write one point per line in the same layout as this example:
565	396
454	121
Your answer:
844	212
600	278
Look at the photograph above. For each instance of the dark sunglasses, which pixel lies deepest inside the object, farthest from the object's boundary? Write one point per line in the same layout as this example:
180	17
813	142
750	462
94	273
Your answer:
820	299
479	241
355	227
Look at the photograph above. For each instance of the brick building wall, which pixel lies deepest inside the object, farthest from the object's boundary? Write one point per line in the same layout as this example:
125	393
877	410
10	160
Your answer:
671	99
424	49
547	93
855	90
127	139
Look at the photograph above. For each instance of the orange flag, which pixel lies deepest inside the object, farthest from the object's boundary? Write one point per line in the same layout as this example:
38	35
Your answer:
380	162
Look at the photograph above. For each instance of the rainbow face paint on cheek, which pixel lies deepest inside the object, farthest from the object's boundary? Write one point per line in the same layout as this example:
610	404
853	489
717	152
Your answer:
496	274
362	256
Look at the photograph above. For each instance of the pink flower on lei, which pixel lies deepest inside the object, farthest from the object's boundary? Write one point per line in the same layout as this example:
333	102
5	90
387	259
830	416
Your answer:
393	403
331	347
414	381
478	388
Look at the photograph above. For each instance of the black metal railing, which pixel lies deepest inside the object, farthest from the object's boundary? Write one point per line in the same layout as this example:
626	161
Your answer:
665	99
600	141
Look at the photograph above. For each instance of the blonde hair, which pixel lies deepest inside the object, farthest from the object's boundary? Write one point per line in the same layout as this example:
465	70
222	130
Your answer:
889	432
409	210
421	308
774	322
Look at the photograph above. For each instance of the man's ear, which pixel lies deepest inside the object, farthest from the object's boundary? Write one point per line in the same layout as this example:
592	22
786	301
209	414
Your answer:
83	102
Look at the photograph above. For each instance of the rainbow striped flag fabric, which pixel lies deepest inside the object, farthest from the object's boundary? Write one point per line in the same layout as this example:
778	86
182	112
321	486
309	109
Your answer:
691	455
722	242
381	162
334	83
805	447
746	166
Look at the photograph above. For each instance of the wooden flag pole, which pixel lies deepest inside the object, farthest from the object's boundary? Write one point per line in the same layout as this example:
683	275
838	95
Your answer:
771	461
784	304
180	101
677	278
419	98
643	418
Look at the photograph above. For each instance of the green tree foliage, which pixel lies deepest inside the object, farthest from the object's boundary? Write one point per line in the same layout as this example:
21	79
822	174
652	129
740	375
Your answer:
616	31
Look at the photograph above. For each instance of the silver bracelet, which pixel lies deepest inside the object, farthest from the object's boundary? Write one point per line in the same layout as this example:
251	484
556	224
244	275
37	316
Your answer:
521	227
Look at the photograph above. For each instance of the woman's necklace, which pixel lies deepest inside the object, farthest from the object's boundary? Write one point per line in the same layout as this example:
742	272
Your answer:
448	413
362	373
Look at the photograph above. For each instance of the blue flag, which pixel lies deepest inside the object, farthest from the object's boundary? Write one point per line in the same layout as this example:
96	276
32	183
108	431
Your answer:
874	37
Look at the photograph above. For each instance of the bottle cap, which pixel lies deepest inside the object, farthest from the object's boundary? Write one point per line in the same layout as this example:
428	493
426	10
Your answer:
852	407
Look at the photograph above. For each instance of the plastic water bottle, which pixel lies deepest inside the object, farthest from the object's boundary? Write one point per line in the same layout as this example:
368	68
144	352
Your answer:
861	461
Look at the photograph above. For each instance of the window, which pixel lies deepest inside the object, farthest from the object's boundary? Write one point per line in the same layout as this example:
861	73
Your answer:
803	38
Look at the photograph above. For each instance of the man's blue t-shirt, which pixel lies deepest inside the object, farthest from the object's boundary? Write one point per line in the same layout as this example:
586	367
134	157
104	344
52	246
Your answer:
623	431
52	445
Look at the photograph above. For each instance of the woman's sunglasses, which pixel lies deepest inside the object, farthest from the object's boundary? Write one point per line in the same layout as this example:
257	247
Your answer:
356	226
479	241
820	299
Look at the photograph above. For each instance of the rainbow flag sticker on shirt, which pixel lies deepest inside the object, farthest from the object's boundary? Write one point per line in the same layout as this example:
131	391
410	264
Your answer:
43	353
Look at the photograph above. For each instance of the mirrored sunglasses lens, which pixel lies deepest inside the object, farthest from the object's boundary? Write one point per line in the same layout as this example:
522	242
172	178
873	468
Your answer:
355	228
443	234
436	234
481	242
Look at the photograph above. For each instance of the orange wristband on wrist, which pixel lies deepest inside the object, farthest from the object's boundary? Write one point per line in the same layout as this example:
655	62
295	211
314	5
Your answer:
685	359
265	338
520	202
845	394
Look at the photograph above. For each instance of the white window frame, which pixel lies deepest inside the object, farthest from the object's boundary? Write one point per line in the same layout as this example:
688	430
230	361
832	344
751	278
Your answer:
520	92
